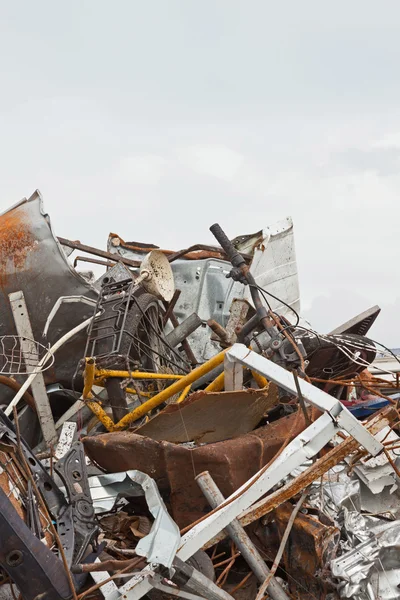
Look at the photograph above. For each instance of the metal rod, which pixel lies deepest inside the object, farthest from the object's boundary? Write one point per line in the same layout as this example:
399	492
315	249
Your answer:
169	306
219	331
94	261
183	394
240	538
301	399
97	252
264	587
105	374
218	384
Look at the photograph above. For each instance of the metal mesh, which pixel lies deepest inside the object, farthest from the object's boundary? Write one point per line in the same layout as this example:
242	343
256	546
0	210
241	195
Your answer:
21	355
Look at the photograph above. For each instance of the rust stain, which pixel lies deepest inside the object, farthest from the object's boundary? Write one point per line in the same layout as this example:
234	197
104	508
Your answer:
16	242
311	546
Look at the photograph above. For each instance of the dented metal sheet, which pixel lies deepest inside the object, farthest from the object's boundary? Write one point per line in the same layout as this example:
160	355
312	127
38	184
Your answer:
206	290
32	260
206	417
312	545
174	467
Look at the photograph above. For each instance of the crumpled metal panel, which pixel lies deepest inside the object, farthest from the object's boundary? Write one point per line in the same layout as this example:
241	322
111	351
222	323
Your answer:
107	489
206	290
370	569
161	542
312	544
174	467
32	260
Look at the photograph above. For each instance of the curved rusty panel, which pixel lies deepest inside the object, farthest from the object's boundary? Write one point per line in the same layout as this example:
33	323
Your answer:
231	463
32	260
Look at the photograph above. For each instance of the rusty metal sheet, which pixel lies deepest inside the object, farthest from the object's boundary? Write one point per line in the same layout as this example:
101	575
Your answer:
32	260
206	417
174	467
310	548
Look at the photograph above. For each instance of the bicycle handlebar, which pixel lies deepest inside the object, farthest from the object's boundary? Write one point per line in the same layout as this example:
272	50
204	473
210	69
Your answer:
235	258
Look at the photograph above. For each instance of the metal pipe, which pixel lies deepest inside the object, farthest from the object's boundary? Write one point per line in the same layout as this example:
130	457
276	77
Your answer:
106	373
174	388
217	385
248	328
219	331
208	377
88	378
183	330
183	395
185	344
240	538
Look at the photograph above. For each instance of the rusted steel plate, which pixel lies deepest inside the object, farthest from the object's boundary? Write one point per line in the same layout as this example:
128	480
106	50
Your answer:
310	548
210	417
174	467
32	260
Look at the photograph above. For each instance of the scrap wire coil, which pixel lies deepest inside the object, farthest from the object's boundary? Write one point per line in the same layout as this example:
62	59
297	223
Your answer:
20	355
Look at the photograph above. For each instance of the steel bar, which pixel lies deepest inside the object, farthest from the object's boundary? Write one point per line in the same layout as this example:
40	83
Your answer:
240	538
318	398
220	332
93	261
104	373
30	354
214	252
169	306
103	254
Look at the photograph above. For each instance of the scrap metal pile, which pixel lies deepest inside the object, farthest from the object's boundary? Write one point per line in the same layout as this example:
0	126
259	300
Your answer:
173	428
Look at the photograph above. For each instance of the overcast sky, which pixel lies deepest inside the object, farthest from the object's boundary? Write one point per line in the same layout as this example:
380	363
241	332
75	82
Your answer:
156	118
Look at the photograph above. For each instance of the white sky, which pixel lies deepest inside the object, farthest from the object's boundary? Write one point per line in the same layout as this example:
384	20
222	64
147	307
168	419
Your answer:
155	119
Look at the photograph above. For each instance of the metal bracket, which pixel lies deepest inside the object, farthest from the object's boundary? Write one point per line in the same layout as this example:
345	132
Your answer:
233	375
72	470
318	398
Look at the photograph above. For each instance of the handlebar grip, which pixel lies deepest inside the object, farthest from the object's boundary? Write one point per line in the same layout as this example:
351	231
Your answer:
235	258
